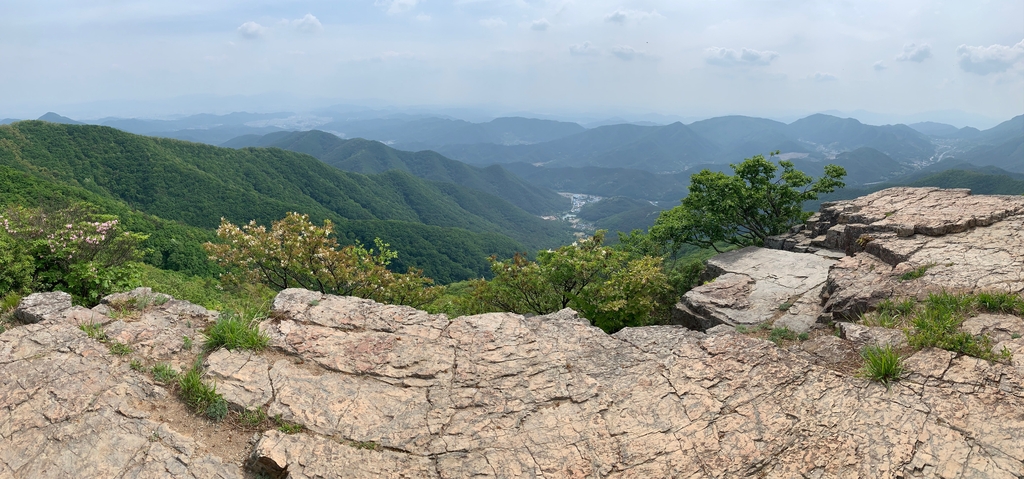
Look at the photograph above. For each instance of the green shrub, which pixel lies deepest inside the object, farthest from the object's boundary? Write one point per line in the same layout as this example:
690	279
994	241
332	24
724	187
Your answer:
72	249
287	427
295	253
882	364
200	396
231	331
611	288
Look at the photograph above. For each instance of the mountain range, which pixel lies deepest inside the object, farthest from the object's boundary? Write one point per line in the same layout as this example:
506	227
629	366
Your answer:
446	229
369	157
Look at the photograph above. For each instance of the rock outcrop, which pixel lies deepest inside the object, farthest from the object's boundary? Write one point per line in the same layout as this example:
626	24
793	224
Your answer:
389	391
899	242
376	391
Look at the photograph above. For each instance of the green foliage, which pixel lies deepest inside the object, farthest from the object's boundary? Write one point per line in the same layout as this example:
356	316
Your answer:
94	331
286	426
882	364
233	332
252	417
186	343
370	445
938	325
200	396
916	273
778	335
446	230
250	299
891	313
120	349
607	286
295	253
1005	303
71	249
135	365
163	373
745	208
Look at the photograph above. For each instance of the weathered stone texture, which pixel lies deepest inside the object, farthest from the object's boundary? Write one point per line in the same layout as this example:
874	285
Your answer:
754	285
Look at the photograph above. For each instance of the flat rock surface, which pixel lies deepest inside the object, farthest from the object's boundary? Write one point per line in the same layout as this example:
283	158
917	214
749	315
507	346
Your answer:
754	285
389	391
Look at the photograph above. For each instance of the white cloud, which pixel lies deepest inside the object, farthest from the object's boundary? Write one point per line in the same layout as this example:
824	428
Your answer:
628	53
622	17
879	66
991	59
493	22
823	77
423	17
729	57
308	24
540	25
252	30
396	6
913	52
583	49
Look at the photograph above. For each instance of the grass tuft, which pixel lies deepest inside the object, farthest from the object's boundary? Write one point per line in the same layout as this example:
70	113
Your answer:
364	445
938	326
163	373
917	273
287	427
781	334
118	348
231	331
94	331
1005	303
882	364
200	396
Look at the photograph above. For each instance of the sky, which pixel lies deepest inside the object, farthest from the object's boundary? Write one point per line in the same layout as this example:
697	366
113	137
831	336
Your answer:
679	58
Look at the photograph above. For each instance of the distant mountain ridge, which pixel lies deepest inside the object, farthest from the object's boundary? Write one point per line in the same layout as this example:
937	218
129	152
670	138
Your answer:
369	157
446	229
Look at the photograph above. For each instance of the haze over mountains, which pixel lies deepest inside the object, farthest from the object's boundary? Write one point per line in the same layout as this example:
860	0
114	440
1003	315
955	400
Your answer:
524	161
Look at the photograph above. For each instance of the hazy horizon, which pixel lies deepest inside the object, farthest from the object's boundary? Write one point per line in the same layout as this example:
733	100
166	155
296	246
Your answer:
948	62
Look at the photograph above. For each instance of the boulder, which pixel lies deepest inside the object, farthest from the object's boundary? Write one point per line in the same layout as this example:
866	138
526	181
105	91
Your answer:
38	307
753	285
861	336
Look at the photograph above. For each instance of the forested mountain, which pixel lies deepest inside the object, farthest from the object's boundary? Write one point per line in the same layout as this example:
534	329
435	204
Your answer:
863	166
729	139
619	213
426	133
55	118
446	229
592	180
368	157
900	142
651	148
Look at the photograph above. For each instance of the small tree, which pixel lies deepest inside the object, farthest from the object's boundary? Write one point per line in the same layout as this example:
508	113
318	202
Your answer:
295	253
745	208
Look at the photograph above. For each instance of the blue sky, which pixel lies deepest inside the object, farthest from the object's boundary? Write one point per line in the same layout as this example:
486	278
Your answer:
680	58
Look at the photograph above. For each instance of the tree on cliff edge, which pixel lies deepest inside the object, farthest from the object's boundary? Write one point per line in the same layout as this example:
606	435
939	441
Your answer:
745	208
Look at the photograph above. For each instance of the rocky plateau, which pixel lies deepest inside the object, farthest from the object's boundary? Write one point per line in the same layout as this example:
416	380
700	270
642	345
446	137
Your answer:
379	391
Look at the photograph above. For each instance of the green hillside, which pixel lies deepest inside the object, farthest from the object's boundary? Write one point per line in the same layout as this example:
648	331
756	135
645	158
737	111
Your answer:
620	214
863	165
368	157
445	229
